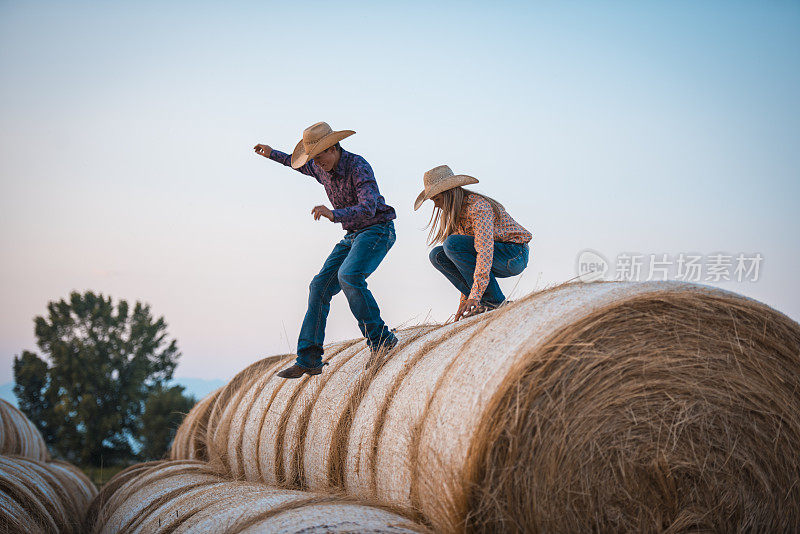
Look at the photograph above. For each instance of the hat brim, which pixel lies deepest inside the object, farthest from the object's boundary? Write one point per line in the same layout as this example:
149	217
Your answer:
451	182
299	155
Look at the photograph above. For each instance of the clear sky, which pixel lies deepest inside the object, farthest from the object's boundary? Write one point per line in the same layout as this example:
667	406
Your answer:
126	162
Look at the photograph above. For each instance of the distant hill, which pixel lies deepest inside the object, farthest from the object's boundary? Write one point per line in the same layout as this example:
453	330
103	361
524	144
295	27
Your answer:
198	387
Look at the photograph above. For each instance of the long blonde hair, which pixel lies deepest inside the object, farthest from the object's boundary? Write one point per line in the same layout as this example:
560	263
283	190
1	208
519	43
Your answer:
444	221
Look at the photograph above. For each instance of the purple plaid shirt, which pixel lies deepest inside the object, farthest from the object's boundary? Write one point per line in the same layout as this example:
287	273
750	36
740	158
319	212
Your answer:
351	188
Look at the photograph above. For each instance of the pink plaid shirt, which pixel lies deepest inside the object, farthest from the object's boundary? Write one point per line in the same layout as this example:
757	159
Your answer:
477	219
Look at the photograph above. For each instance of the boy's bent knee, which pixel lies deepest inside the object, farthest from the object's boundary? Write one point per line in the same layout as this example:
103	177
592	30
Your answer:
318	286
351	279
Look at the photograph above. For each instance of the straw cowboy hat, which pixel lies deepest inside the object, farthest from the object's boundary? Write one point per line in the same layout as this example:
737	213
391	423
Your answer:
316	138
440	179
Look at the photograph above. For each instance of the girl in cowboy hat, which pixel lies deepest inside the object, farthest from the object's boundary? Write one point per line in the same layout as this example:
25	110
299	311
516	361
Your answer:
480	242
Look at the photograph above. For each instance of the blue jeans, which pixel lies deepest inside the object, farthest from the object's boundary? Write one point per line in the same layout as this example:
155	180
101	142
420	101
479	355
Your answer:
353	259
457	257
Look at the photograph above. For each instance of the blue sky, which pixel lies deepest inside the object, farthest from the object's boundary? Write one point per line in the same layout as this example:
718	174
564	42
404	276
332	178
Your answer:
126	162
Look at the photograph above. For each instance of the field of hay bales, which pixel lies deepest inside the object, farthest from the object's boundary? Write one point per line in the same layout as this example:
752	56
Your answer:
606	406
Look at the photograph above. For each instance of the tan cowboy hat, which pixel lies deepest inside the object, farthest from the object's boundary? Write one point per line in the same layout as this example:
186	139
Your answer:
316	138
440	179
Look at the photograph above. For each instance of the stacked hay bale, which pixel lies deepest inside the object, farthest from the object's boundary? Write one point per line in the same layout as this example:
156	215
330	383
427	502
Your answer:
42	497
189	441
37	495
599	406
189	496
18	434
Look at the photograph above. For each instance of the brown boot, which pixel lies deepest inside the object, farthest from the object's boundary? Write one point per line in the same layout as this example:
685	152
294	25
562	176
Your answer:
295	371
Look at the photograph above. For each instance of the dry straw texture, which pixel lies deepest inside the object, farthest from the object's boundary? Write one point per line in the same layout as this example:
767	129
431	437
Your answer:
189	442
42	497
658	406
18	435
188	496
37	495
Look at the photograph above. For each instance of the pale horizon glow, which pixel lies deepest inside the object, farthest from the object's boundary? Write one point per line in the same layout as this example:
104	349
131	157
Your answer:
127	165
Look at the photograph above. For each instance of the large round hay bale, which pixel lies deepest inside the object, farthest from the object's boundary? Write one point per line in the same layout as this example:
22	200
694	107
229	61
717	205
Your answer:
599	406
78	485
605	406
126	507
18	434
98	510
221	416
190	496
272	446
250	390
329	516
330	419
42	496
189	442
248	507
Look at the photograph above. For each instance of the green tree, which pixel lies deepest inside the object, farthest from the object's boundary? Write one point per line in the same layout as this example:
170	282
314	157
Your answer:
164	410
88	395
35	400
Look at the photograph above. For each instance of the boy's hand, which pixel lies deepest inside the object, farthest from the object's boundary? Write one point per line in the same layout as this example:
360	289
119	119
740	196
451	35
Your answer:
322	211
263	150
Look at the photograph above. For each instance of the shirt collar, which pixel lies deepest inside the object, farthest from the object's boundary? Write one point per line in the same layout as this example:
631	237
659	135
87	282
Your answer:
339	170
340	165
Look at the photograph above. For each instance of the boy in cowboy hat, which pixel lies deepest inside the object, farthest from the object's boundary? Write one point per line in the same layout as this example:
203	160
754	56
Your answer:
360	208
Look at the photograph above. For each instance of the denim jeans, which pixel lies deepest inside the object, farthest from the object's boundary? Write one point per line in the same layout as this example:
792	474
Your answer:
457	257
353	259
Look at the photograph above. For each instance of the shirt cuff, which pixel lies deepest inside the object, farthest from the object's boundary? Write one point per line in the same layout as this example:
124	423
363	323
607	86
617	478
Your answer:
477	293
337	215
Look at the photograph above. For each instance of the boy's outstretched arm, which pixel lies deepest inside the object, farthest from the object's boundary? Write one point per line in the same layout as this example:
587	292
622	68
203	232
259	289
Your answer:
283	158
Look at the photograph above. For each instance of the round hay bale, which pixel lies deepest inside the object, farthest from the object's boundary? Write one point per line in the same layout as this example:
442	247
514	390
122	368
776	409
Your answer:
381	443
252	414
331	417
74	481
254	508
132	501
329	517
18	435
273	424
265	390
597	406
98	510
295	421
174	514
250	391
221	416
42	497
594	407
189	442
672	410
188	496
